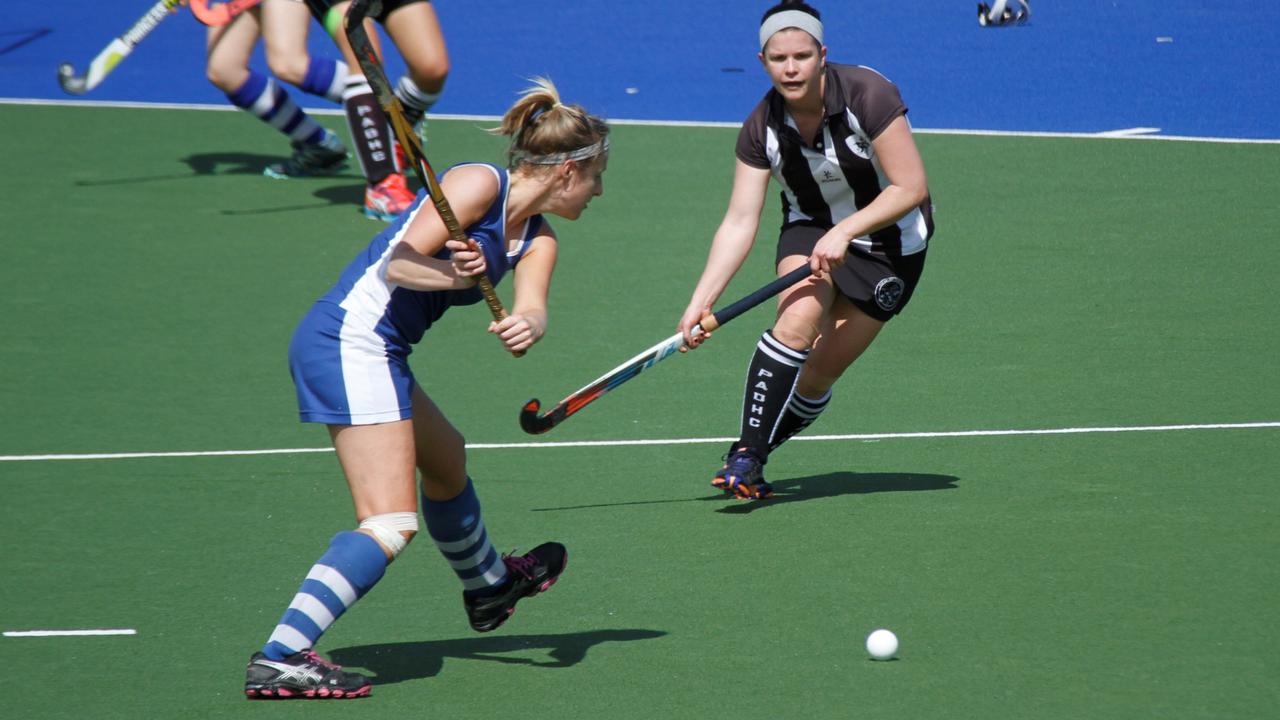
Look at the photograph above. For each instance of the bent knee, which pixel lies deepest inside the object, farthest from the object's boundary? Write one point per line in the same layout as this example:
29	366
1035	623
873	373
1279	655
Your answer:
393	531
430	76
226	79
290	68
795	333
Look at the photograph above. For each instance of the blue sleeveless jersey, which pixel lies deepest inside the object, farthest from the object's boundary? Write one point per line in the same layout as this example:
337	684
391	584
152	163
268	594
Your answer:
349	354
400	315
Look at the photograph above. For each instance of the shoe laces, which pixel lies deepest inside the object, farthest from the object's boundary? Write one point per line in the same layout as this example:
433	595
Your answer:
522	564
742	463
312	657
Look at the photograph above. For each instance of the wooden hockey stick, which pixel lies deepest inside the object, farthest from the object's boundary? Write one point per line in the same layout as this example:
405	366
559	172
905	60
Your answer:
373	72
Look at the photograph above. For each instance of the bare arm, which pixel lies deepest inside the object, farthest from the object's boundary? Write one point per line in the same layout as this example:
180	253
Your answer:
528	320
730	247
908	187
470	191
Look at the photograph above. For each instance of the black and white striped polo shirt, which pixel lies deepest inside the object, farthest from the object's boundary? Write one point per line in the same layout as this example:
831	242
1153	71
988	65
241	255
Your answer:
840	174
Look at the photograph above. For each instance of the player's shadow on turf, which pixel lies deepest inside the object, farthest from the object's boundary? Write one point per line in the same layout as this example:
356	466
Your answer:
839	483
230	163
397	662
343	195
239	163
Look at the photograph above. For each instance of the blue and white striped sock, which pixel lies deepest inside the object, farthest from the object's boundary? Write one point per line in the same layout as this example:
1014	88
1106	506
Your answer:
325	78
458	531
353	564
265	99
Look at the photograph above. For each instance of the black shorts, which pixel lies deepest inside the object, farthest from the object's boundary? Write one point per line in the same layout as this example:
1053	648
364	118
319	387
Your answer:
877	284
320	8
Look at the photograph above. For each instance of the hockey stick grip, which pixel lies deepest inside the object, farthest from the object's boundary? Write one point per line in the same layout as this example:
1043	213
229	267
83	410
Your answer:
725	314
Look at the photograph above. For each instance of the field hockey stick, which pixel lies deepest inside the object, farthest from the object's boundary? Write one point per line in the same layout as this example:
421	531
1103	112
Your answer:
220	13
408	140
112	54
535	424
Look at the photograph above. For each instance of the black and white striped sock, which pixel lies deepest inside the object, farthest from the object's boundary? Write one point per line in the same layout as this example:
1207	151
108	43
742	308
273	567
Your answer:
369	129
770	380
798	415
415	100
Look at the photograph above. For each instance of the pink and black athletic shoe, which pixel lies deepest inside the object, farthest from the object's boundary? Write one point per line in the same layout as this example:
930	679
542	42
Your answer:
528	575
303	675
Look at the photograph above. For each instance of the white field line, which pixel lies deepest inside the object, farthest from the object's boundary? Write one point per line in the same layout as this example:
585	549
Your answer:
66	633
680	441
1124	134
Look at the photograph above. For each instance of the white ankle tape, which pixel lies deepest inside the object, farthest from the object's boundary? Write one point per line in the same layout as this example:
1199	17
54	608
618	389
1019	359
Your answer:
388	526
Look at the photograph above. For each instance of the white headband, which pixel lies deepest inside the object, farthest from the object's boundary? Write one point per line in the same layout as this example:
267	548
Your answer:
790	19
581	153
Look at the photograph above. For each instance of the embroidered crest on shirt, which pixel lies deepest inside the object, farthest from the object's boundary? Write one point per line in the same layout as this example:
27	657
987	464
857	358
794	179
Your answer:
859	145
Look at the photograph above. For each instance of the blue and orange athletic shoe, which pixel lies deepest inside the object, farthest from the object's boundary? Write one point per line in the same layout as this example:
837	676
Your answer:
302	675
528	575
742	476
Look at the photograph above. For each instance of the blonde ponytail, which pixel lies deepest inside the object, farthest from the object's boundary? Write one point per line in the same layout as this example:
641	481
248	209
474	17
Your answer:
545	131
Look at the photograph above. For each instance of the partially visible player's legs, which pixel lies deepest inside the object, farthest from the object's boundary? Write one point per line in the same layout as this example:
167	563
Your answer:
229	48
378	461
284	35
415	30
492	585
387	194
285	26
775	365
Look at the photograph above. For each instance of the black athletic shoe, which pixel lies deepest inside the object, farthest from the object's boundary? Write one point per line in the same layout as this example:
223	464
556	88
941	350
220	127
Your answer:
324	158
528	575
743	476
301	675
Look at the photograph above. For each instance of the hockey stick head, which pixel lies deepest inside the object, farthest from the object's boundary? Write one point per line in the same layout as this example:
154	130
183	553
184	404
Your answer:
70	82
535	424
221	13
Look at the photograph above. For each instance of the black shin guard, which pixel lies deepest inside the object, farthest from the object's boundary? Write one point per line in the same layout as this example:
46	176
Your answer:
770	379
369	130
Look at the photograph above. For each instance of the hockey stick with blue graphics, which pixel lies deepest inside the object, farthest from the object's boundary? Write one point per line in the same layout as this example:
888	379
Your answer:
535	424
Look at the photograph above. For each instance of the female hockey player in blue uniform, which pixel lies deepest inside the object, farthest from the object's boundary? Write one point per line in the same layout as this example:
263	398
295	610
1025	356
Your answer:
349	363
